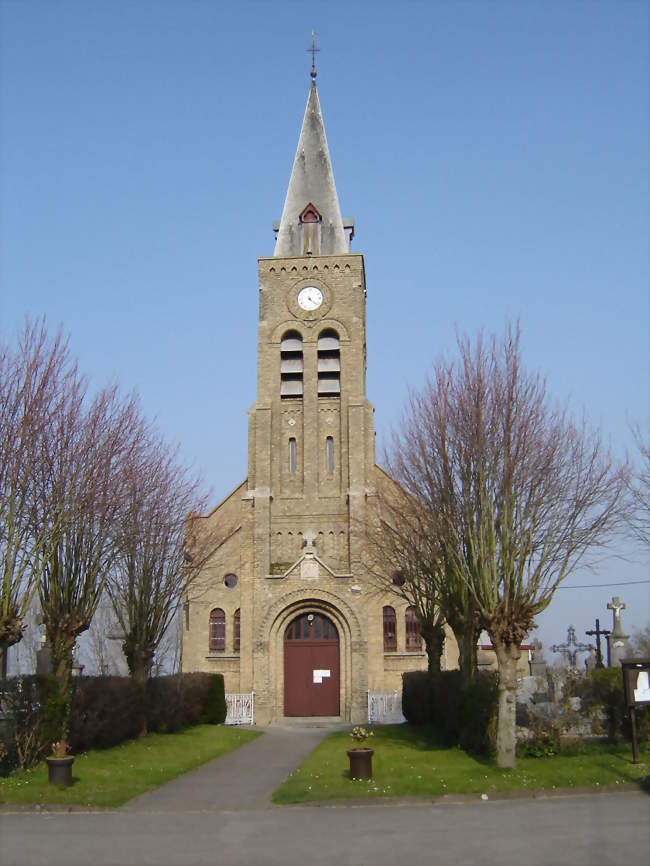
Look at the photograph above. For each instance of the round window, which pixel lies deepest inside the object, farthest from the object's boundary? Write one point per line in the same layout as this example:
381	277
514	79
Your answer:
230	580
399	578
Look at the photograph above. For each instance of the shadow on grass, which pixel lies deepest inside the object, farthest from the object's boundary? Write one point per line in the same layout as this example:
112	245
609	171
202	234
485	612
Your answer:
423	738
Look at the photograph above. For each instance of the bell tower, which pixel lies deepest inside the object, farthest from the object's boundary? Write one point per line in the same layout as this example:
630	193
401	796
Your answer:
311	436
286	608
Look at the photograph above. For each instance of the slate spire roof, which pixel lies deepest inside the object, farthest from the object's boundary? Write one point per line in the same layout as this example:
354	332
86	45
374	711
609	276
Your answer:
312	182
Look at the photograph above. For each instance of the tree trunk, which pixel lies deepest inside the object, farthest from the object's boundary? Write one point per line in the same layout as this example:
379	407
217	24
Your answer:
507	656
140	662
434	639
61	646
467	634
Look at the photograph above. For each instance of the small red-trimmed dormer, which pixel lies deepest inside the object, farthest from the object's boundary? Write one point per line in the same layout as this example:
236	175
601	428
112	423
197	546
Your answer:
310	229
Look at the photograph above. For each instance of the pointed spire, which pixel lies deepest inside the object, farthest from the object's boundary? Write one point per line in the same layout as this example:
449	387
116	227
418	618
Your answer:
311	183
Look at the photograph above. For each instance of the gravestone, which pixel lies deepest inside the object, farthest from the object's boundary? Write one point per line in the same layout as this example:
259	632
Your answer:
44	660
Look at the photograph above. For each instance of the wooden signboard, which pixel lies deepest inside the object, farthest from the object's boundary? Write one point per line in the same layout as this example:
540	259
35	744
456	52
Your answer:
636	687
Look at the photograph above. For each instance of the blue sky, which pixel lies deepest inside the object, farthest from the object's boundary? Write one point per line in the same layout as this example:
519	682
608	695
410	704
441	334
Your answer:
494	157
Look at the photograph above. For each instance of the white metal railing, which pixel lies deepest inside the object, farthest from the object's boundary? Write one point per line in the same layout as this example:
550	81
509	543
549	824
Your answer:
385	708
240	709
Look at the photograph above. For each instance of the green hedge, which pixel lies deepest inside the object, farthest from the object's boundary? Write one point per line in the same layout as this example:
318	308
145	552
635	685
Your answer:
465	715
105	711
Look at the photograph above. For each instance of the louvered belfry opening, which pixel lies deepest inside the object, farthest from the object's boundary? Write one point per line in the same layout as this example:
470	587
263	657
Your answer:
329	364
291	366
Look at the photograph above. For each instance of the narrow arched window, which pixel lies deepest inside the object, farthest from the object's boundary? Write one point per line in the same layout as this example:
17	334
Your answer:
390	629
330	454
329	364
292	455
217	630
235	631
291	365
413	638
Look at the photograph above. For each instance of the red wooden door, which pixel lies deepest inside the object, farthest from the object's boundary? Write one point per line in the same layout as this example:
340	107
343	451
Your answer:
311	667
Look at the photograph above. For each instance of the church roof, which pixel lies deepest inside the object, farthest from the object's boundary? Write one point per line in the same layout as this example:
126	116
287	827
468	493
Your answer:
312	182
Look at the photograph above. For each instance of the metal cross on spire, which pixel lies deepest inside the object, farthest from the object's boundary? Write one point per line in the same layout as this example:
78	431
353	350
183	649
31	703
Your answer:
313	51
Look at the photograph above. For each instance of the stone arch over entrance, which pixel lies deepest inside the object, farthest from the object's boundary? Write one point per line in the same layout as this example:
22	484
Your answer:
271	634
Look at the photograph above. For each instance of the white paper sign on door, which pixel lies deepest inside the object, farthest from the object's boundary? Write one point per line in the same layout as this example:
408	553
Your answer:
319	676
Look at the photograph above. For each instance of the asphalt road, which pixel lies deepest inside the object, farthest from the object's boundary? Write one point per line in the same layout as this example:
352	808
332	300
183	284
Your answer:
590	830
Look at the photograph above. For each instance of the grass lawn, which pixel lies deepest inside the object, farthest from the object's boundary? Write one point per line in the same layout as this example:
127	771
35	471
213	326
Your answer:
411	761
110	777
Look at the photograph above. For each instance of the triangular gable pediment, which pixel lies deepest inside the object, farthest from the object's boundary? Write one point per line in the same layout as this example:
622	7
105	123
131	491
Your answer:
308	567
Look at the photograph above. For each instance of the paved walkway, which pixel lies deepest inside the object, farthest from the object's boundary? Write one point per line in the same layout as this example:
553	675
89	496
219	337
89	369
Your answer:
243	779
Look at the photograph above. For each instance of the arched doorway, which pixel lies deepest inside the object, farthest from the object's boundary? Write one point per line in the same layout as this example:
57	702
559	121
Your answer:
311	667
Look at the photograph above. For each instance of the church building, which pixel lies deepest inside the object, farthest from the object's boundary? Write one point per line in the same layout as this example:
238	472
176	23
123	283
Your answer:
285	607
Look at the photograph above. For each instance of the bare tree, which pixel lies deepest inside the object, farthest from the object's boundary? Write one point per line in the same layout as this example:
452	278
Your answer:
405	561
79	489
413	525
520	494
639	488
31	378
102	650
152	566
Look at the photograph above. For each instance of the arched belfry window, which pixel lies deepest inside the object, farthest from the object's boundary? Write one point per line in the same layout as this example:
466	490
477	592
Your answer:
291	365
217	630
329	364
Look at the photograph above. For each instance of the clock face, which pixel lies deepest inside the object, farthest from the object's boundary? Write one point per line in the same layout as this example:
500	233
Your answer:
310	298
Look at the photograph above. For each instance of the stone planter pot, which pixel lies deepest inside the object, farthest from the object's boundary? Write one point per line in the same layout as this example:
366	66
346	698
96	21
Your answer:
59	770
360	763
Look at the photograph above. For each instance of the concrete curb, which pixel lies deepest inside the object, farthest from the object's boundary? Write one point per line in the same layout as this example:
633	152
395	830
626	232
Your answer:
356	802
496	796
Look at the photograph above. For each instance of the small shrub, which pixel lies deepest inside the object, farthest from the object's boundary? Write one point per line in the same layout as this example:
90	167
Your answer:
544	742
31	707
215	701
464	714
177	701
479	708
104	712
417	697
604	702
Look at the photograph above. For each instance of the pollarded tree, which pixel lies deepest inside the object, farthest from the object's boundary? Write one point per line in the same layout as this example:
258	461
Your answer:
521	494
32	377
405	561
80	487
639	488
413	525
152	566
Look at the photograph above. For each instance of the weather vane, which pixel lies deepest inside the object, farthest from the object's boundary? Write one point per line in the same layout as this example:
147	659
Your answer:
313	51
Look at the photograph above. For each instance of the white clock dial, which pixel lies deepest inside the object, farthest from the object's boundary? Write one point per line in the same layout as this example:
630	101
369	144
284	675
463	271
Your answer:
310	298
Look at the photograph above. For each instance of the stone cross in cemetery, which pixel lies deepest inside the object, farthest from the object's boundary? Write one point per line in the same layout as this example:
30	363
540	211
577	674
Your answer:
617	640
599	632
571	648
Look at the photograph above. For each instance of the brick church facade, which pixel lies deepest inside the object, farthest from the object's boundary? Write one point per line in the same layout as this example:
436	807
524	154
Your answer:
285	607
